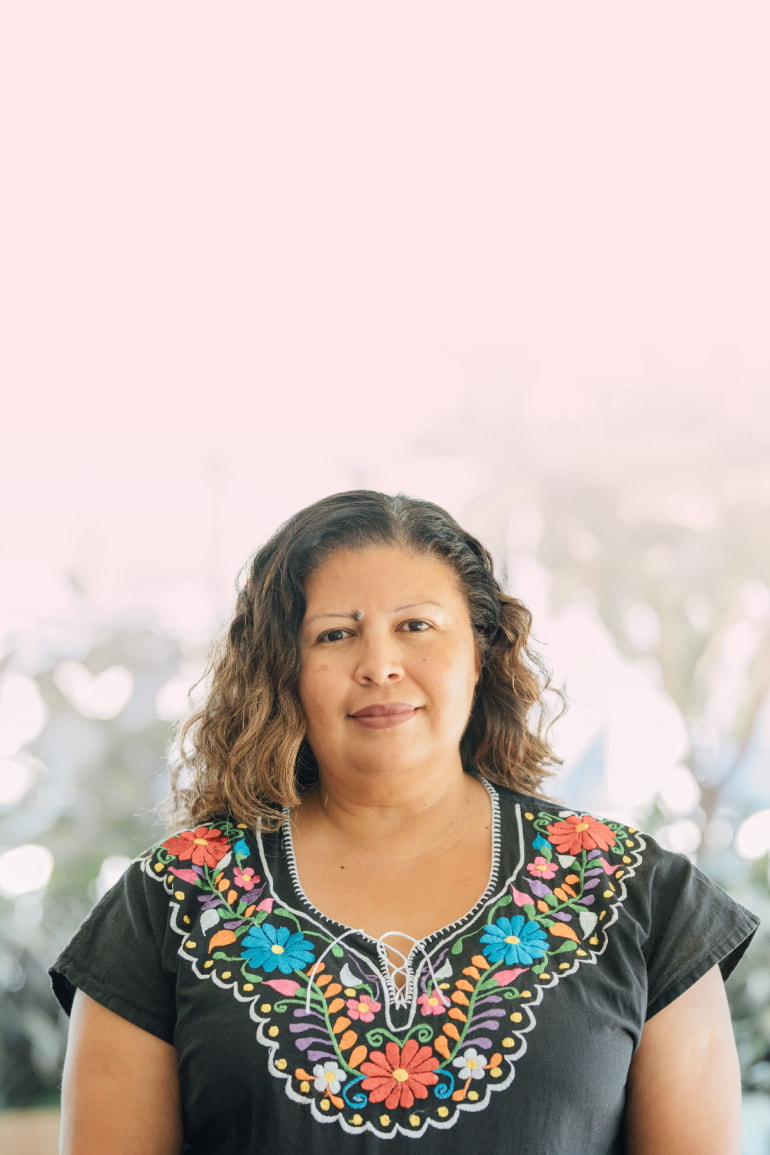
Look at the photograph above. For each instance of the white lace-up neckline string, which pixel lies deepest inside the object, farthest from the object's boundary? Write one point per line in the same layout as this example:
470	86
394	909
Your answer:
383	948
399	997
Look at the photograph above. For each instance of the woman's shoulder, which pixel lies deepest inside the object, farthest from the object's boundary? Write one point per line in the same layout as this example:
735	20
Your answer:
199	851
570	828
577	862
567	835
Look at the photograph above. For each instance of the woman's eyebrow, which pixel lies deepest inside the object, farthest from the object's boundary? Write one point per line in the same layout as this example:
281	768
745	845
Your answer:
395	610
316	617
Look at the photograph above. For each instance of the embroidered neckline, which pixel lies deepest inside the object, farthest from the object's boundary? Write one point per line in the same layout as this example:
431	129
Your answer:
325	1014
419	943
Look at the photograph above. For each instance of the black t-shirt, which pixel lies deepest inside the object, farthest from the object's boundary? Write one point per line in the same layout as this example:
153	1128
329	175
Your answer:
511	1030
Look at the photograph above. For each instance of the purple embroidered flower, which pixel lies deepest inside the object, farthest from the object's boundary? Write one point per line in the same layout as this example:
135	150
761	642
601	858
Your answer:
269	947
514	941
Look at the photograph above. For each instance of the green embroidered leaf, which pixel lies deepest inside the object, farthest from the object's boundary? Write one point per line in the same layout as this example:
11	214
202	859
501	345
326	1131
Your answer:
337	951
547	922
506	900
567	945
529	910
551	900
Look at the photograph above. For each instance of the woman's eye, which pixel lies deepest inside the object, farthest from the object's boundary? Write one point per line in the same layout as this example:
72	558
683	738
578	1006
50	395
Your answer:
417	626
333	635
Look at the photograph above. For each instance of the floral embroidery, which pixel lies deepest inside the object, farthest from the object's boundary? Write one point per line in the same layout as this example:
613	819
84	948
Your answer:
580	832
328	1077
541	868
204	847
269	947
512	940
431	1004
470	1065
363	1008
401	1075
247	879
346	1043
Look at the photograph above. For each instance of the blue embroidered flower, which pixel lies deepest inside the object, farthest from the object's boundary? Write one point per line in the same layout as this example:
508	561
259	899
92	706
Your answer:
267	947
539	843
242	846
514	941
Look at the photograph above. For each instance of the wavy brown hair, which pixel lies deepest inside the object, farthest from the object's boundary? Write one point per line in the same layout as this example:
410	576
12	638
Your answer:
243	751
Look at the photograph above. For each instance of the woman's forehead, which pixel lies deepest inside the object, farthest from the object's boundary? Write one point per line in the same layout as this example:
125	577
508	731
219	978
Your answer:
399	575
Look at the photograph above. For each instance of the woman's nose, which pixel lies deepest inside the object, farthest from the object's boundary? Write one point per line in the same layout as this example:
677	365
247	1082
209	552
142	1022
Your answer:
379	661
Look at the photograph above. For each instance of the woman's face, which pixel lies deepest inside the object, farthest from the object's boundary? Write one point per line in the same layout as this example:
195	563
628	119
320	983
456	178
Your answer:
389	663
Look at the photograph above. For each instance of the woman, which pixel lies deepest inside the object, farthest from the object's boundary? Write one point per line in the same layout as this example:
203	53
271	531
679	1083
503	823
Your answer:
374	927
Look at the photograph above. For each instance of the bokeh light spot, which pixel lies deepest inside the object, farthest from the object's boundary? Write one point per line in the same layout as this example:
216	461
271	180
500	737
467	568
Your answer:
113	868
95	696
25	869
23	713
752	838
16	777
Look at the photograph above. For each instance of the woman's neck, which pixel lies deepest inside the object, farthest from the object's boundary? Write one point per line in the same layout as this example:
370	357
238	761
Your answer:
393	814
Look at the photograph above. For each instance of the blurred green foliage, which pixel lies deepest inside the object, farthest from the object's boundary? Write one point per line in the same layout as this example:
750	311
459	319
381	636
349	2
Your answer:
93	798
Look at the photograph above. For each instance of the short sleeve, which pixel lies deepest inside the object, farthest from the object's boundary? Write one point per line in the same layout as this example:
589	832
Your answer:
693	926
119	958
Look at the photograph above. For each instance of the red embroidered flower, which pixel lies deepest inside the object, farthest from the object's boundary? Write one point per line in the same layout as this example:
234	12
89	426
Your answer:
580	832
541	868
203	846
399	1076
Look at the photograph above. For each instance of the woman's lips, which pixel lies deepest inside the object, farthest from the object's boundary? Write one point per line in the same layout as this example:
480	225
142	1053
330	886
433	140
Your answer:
384	715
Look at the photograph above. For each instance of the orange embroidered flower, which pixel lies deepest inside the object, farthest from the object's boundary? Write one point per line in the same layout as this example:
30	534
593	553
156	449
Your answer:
400	1075
203	846
580	832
